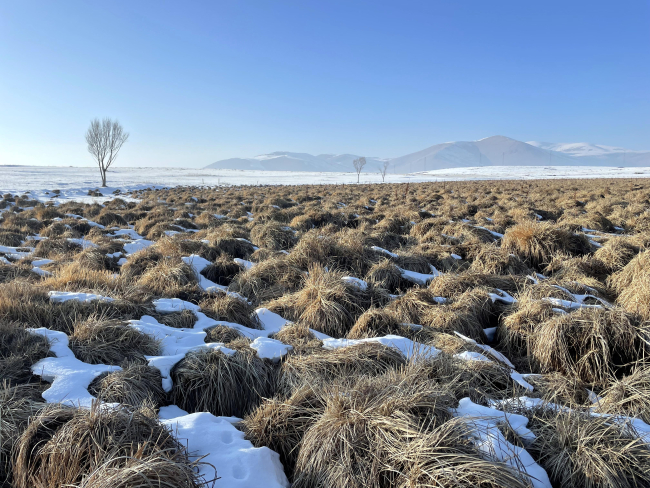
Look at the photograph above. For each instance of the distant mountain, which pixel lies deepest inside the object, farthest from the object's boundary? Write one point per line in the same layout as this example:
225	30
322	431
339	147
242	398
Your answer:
288	161
504	151
597	154
491	151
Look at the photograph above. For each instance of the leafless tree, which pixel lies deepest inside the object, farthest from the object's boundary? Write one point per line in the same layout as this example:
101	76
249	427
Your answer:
382	170
359	163
105	139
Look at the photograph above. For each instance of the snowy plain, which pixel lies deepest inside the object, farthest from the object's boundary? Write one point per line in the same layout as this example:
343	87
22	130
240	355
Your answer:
74	182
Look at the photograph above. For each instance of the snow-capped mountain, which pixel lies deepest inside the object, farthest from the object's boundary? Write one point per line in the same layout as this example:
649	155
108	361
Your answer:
289	161
491	151
605	155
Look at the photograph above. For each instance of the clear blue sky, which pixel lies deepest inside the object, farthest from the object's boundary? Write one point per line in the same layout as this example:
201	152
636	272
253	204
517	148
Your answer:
195	82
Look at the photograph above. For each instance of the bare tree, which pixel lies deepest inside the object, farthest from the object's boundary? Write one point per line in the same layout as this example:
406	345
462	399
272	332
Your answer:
359	163
382	170
105	139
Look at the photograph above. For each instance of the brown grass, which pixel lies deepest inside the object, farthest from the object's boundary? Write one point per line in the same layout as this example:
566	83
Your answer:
205	381
61	446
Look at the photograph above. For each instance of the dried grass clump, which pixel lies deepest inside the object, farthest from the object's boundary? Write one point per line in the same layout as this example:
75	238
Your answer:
231	309
537	242
93	259
378	322
237	247
138	262
273	235
386	274
10	238
450	319
101	341
353	443
326	366
590	344
222	333
169	277
496	260
448	457
616	253
327	304
560	390
411	307
299	337
56	248
267	280
228	385
628	396
222	271
19	349
481	381
516	330
62	446
579	450
17	405
185	319
628	277
452	285
134	385
281	424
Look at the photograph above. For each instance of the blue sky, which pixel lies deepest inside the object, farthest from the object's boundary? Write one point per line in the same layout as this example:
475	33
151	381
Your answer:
195	82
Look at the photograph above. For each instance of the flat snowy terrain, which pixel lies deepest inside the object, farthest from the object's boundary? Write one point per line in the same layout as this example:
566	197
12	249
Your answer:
74	182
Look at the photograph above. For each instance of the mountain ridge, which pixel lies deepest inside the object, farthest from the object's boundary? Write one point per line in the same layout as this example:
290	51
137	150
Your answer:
489	151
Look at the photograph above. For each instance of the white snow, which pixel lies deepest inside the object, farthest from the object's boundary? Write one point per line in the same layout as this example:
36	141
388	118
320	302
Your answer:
130	233
69	377
244	264
385	251
419	278
270	348
489	439
406	346
136	245
175	344
238	464
169	305
355	282
64	296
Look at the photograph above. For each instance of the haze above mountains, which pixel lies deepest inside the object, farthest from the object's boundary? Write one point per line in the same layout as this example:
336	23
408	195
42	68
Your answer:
491	151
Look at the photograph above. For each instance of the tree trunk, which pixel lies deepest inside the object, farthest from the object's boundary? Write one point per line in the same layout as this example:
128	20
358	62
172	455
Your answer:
103	171
358	177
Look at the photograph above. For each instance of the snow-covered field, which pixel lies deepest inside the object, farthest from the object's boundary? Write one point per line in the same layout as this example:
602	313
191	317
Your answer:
74	182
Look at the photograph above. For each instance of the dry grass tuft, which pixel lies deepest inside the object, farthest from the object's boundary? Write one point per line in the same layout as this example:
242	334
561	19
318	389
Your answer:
135	385
17	405
579	450
222	271
378	322
537	242
361	437
588	344
19	349
299	337
101	341
273	235
231	309
498	261
62	446
222	333
628	396
324	367
205	381
281	424
386	274
560	390
169	277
